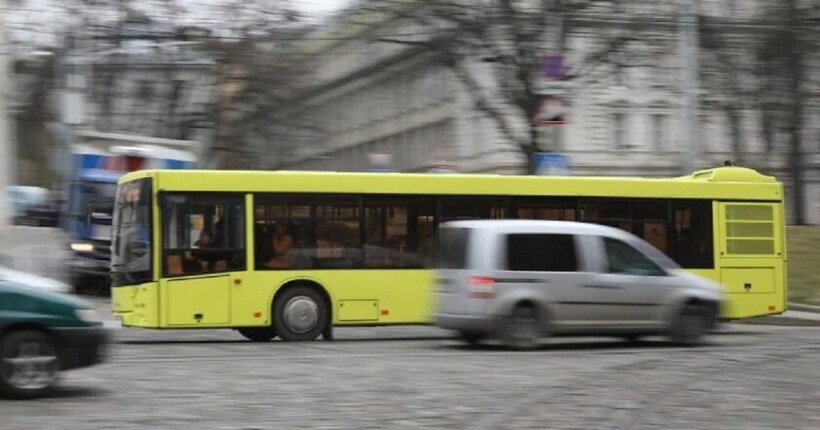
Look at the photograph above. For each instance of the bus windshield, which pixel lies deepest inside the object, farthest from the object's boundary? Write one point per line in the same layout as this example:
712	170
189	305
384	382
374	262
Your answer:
131	248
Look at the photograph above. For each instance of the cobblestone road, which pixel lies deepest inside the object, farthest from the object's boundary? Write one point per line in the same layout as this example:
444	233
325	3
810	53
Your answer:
749	377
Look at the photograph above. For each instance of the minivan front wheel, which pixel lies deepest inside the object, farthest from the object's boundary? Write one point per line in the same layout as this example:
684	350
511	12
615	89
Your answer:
29	364
522	329
472	338
691	323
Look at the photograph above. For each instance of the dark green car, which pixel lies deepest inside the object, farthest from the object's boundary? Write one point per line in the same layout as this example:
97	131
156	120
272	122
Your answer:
41	334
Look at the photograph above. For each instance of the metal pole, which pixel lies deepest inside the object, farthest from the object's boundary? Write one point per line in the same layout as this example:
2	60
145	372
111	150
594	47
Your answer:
689	50
6	144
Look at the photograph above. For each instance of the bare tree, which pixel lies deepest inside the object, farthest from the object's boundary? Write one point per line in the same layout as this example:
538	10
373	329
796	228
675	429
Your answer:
117	36
508	40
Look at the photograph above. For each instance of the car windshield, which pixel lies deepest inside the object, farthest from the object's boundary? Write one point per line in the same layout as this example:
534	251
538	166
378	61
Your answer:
131	246
655	255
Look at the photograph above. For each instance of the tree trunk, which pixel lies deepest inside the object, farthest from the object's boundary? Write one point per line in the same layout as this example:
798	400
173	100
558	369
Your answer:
796	118
737	134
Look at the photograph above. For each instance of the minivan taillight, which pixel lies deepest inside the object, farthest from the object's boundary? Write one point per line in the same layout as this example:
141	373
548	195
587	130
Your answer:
480	287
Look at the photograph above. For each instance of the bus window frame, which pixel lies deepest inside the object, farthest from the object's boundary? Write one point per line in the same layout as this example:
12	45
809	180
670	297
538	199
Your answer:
216	198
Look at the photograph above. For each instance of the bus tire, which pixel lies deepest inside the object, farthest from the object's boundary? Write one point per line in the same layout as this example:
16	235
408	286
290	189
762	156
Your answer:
258	334
300	314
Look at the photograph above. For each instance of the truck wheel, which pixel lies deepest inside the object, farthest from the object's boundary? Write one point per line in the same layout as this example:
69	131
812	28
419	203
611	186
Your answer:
29	364
300	314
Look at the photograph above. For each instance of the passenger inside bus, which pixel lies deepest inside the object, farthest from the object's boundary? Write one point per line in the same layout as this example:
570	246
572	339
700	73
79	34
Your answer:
281	247
202	258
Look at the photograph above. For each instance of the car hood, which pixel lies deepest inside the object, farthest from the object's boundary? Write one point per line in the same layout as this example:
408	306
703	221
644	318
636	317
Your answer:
34	281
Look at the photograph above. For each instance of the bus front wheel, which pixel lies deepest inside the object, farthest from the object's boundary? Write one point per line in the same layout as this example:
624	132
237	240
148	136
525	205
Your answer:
300	314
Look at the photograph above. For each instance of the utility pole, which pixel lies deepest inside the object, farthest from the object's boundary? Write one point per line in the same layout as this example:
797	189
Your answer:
689	48
7	153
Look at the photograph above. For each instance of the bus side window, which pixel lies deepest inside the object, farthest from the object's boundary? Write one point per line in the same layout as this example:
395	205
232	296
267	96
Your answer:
692	245
203	233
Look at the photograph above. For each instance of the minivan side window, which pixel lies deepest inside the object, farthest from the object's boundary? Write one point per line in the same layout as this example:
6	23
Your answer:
541	253
623	258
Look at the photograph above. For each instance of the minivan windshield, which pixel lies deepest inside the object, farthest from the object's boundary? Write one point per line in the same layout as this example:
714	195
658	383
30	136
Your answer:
451	248
655	255
131	246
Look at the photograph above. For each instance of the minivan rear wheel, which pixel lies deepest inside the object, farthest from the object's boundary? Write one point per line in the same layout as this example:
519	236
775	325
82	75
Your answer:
521	328
689	326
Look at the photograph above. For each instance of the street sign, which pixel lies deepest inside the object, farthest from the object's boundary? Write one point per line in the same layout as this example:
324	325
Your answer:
551	163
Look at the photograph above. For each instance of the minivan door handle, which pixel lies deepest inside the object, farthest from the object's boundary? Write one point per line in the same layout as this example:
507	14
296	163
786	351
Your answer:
603	286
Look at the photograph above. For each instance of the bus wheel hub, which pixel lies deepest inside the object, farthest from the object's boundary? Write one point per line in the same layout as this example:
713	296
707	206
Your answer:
301	314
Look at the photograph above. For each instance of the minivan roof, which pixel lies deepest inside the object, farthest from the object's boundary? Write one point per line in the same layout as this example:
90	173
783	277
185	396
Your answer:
573	227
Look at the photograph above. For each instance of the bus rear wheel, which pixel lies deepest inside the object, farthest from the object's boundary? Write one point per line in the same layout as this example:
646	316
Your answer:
300	314
258	334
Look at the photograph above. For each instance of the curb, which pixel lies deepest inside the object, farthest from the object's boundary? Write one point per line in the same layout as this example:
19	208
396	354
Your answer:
782	321
803	308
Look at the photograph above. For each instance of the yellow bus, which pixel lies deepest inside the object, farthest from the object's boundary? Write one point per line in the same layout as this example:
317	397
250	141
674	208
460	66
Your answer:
293	254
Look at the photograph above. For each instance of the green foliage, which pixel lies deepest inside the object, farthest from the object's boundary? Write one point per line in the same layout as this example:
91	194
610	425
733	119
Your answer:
804	255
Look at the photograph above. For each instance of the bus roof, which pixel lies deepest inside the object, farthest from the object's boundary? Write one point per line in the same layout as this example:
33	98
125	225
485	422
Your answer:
729	183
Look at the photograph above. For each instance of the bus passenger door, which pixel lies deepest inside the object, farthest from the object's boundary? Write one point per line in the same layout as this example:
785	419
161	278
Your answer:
197	302
203	256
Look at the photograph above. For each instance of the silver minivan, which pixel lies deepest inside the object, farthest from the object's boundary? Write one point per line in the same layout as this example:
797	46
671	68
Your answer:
520	280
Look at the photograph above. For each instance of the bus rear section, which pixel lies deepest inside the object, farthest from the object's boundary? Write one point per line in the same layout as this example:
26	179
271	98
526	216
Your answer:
751	262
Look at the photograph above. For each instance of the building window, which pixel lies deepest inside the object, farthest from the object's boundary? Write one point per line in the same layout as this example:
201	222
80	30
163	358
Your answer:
619	129
659	131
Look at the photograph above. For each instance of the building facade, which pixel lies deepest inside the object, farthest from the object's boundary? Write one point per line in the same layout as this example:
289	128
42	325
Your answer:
372	100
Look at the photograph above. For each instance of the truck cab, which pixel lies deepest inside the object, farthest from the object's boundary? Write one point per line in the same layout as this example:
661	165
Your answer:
89	205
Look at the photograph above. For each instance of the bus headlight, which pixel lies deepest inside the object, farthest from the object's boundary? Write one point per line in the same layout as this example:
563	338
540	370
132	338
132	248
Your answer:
82	247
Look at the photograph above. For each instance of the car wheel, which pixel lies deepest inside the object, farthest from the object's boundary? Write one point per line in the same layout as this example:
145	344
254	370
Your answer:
258	334
472	338
300	314
29	364
690	324
522	328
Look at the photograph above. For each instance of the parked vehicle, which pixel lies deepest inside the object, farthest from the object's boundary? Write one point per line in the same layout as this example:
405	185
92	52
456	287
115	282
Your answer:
519	280
33	281
43	214
41	334
23	197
